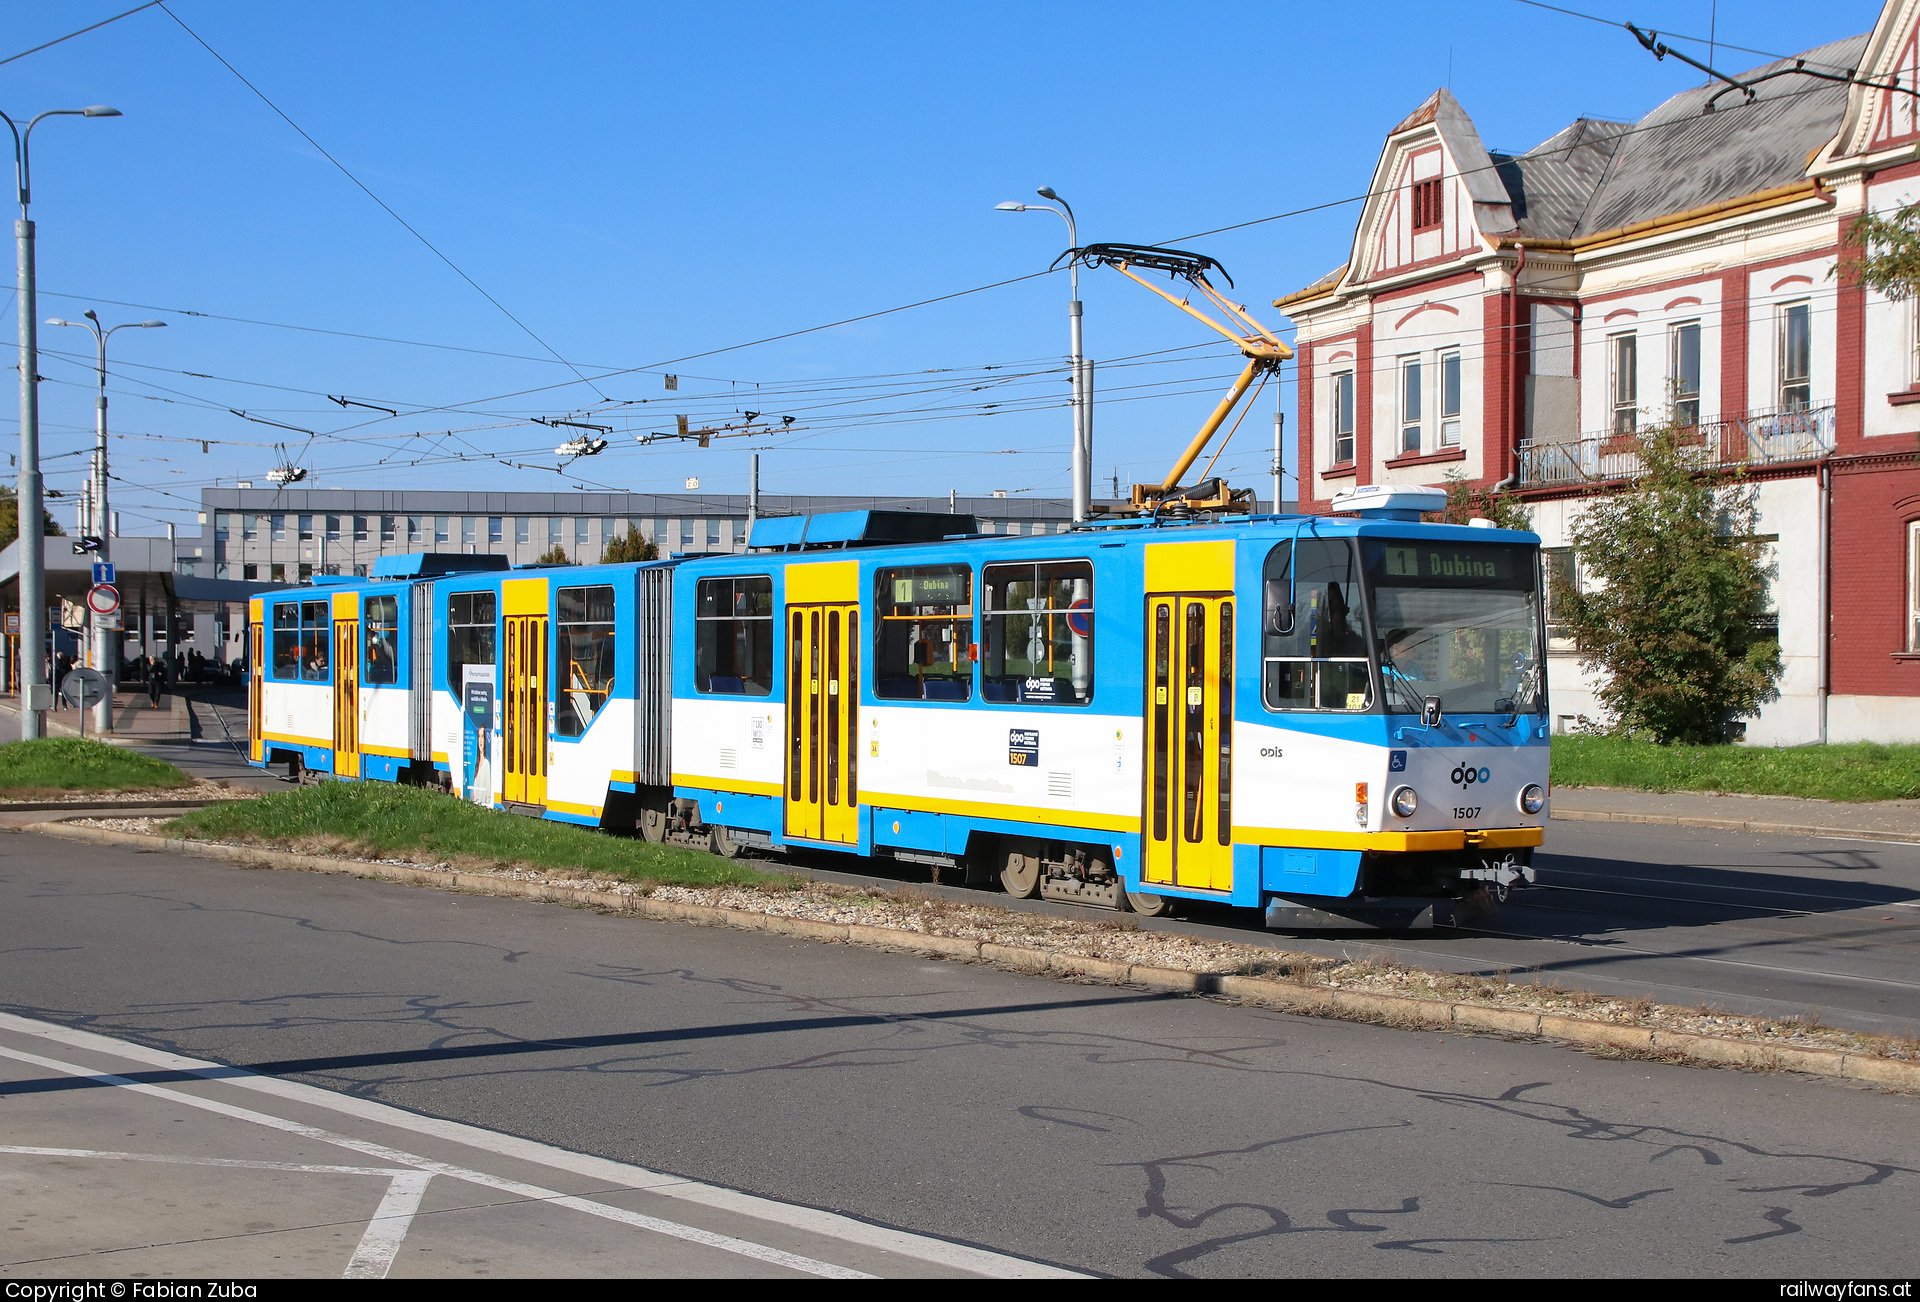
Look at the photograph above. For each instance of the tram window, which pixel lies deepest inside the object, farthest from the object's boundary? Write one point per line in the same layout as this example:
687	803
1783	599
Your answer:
1313	631
469	634
586	657
733	636
1039	633
316	640
382	656
286	641
923	648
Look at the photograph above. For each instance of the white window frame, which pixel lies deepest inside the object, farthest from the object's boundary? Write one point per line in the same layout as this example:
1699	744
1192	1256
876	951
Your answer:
1454	393
1788	382
1623	382
1686	405
1412	400
1340	402
1913	586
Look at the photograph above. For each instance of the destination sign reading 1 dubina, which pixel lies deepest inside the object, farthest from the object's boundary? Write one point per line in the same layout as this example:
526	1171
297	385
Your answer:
1445	565
930	590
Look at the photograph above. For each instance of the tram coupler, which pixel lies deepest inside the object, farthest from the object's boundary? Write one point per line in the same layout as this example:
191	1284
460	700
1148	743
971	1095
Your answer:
1500	875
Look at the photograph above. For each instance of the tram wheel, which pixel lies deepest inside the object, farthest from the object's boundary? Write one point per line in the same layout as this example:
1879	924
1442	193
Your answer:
1148	905
652	825
721	844
1020	874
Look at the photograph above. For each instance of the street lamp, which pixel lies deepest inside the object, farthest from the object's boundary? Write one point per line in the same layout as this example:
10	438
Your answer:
36	694
1082	399
106	655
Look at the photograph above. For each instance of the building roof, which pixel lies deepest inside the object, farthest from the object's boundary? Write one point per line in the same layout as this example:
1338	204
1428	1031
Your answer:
1599	176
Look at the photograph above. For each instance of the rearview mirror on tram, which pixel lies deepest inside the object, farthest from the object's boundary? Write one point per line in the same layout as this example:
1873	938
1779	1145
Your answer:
1279	606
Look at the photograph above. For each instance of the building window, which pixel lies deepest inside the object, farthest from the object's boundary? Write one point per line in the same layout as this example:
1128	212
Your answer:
249	528
739	531
439	528
1685	367
382	666
1624	351
413	529
520	528
686	533
386	528
221	523
1561	570
1913	586
1427	203
554	524
580	527
586	657
1796	357
713	533
466	530
1039	631
277	573
278	523
923	646
359	528
733	637
608	531
1450	400
469	634
306	572
1340	418
1410	405
493	528
250	571
333	528
306	528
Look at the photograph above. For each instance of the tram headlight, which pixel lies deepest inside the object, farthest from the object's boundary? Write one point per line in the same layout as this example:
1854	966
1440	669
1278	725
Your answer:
1532	798
1405	801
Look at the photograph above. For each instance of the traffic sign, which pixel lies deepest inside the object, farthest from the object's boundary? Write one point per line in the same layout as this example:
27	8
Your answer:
103	599
85	544
83	687
103	572
13	623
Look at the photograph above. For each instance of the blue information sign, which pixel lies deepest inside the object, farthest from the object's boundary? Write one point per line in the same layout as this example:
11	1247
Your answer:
103	572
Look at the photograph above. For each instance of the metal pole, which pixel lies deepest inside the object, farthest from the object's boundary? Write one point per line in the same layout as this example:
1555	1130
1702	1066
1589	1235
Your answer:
753	496
34	693
1082	434
104	658
1279	432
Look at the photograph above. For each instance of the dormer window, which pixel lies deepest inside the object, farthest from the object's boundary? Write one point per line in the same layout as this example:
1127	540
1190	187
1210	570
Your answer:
1426	204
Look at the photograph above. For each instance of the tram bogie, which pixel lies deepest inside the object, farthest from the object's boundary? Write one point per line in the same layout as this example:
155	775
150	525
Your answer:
1340	721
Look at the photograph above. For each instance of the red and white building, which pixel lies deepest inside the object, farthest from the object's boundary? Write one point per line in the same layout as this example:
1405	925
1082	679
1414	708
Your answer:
1515	318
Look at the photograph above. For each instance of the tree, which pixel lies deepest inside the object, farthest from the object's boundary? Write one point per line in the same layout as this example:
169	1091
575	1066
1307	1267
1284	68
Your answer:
1464	502
1674	623
10	518
555	555
627	548
1883	253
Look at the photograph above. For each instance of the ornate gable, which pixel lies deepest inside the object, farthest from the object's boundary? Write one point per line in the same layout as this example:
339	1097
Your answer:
1434	194
1878	119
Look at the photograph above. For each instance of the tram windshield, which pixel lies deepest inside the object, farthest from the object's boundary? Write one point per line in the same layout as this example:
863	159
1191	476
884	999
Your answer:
1457	621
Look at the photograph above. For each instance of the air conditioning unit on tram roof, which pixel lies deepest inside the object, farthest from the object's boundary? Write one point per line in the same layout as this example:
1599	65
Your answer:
1389	501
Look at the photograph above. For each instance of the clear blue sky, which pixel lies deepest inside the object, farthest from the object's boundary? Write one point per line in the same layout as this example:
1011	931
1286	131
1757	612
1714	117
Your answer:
638	183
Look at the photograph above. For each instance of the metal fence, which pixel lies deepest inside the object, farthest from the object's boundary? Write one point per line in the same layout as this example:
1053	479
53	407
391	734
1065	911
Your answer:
1755	438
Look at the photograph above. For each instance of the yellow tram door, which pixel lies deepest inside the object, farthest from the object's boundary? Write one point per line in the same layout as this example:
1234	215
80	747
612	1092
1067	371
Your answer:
1189	734
523	696
823	713
346	697
256	678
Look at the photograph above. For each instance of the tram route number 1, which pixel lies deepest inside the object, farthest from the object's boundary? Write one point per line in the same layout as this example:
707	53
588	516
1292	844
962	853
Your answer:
1023	747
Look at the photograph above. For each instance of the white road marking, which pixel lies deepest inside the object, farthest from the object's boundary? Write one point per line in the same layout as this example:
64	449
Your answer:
301	1168
532	1193
847	1229
374	1257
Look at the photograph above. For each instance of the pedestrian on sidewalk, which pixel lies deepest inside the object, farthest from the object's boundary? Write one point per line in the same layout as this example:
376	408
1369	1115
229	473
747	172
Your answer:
156	680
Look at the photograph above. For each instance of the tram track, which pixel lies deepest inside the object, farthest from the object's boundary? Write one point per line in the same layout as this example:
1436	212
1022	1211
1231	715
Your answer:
1704	898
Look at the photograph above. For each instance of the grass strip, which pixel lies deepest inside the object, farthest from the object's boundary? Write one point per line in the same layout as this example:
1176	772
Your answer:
51	765
1855	771
381	821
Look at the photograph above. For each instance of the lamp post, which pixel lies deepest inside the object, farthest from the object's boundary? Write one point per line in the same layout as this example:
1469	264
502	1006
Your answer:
36	695
106	657
1082	407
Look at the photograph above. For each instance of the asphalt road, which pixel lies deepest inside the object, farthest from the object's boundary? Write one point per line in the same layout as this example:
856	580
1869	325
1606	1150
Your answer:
1098	1128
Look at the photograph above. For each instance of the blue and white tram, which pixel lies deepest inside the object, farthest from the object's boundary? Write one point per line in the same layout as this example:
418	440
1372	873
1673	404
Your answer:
1339	720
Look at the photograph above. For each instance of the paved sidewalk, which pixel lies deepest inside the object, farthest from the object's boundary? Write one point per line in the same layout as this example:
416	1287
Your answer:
122	1160
1880	820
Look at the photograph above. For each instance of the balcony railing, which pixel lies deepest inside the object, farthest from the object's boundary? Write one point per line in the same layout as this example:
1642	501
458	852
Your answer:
1756	438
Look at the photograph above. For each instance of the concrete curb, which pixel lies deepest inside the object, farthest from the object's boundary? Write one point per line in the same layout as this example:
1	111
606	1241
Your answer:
1735	825
1284	996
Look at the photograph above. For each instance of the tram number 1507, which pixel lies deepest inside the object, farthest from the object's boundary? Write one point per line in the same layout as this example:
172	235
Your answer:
1466	811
